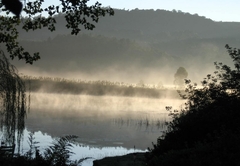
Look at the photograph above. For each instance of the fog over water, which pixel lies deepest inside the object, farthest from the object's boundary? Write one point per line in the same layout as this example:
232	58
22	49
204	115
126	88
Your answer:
81	104
131	76
111	105
129	51
100	117
105	125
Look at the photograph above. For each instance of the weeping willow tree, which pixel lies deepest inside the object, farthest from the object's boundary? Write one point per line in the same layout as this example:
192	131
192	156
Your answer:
12	102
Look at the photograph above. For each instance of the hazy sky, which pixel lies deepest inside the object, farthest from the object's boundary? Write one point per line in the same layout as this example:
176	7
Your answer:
217	10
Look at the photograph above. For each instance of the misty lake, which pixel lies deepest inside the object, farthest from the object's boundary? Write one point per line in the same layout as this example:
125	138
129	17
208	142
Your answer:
105	125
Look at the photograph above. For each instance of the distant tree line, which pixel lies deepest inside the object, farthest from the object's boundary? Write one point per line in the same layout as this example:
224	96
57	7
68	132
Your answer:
98	88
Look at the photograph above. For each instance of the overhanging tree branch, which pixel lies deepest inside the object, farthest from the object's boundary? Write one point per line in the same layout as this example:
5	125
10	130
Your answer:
77	14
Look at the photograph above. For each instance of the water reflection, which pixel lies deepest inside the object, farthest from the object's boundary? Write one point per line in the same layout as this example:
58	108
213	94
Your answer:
79	150
102	123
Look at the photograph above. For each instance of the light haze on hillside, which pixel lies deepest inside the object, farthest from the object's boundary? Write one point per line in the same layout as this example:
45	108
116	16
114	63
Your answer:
223	10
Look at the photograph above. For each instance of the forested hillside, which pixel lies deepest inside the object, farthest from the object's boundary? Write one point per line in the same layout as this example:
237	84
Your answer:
150	25
139	43
94	51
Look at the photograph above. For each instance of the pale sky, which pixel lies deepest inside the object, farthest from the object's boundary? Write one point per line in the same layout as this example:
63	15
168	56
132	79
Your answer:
217	10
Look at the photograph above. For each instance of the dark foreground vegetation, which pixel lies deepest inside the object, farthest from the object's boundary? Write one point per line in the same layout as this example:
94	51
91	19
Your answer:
97	88
56	155
206	131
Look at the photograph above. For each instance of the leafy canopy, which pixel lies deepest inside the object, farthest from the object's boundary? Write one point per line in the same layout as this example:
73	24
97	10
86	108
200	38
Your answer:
77	13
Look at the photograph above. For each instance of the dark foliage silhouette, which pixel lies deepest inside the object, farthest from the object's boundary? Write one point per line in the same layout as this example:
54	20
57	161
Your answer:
56	155
13	101
208	127
76	13
15	6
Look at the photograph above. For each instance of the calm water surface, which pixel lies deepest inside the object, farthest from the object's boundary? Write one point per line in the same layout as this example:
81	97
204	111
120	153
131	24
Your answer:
105	125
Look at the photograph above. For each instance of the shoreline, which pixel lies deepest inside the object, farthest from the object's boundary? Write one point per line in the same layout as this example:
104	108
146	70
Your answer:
125	160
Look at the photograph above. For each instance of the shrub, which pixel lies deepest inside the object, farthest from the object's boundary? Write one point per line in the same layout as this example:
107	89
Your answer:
210	113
